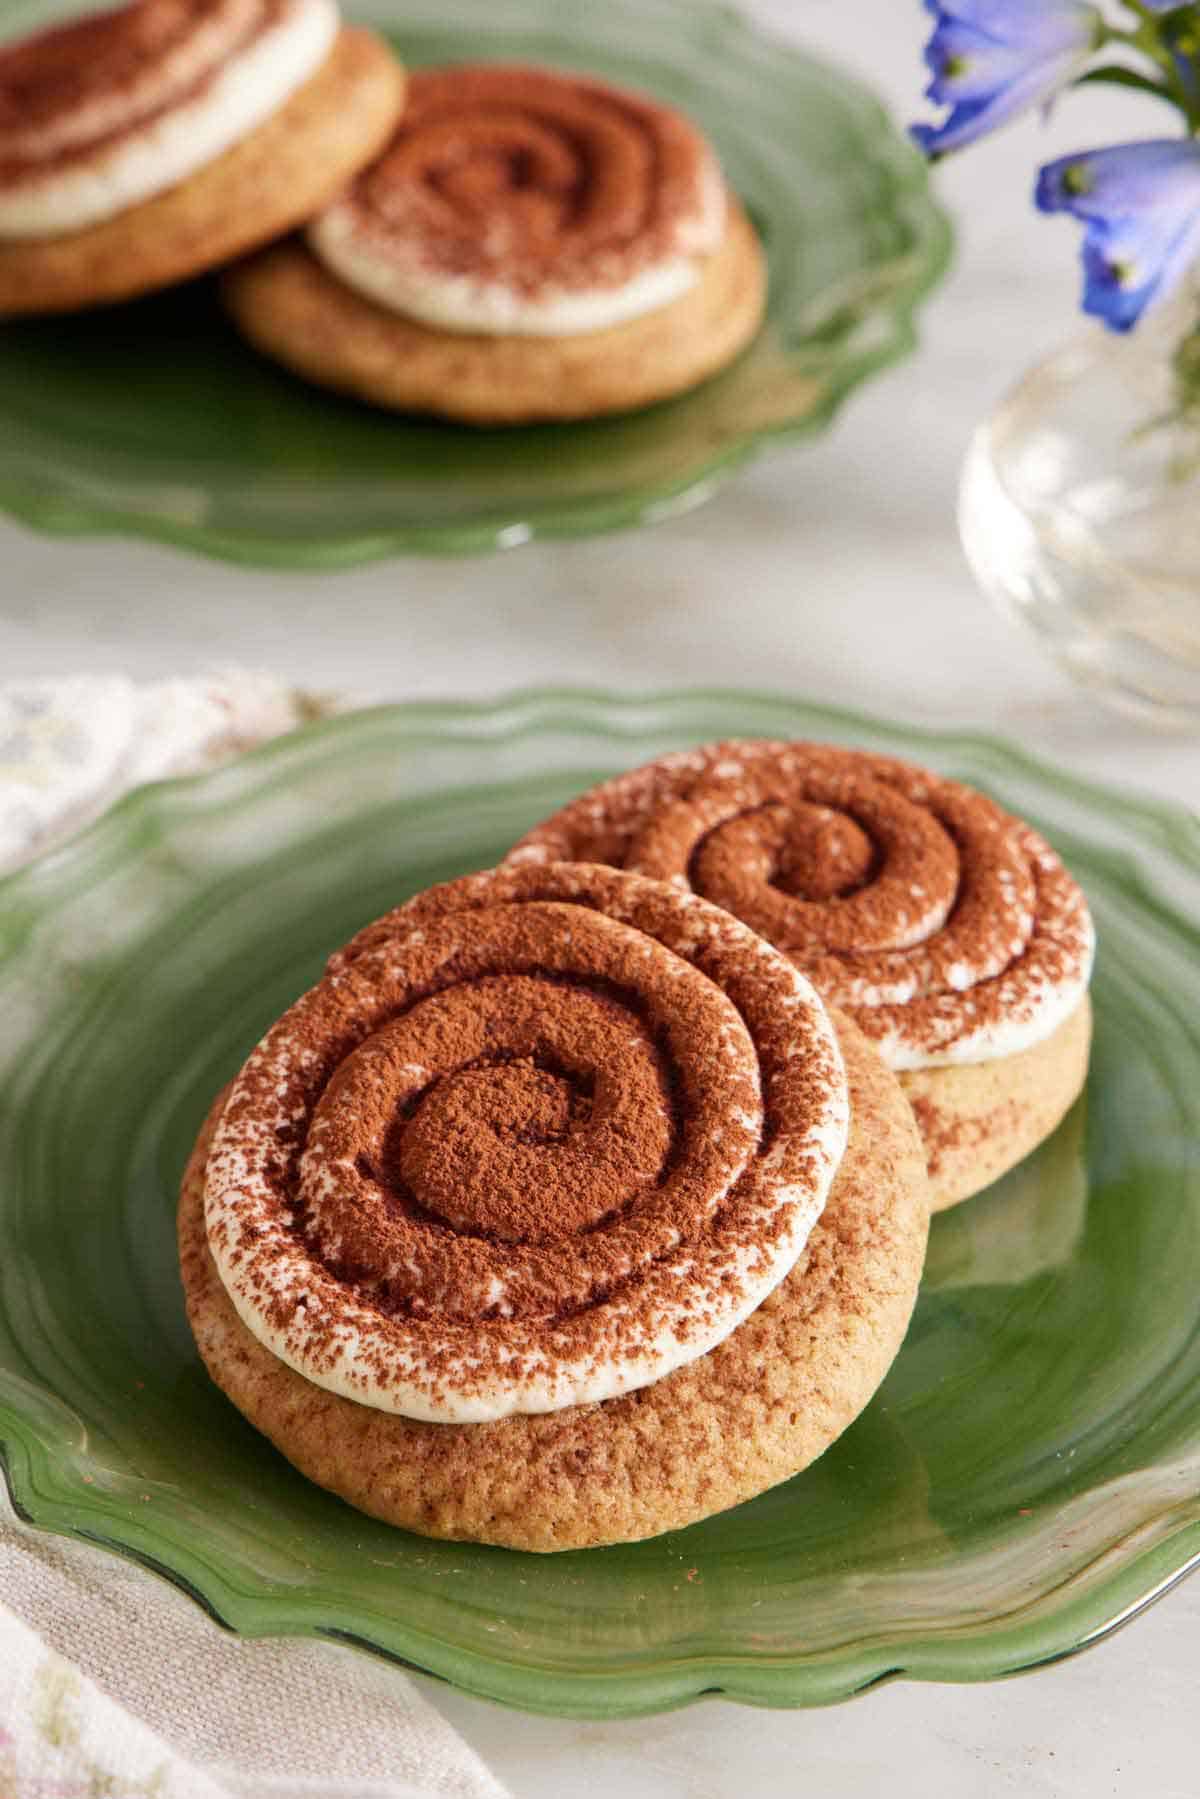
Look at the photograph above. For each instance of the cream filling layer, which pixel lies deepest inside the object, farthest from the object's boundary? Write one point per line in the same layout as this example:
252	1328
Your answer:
1013	1011
1039	1008
253	84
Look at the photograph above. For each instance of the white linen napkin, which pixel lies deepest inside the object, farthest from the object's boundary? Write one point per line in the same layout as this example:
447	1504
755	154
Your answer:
69	748
111	1682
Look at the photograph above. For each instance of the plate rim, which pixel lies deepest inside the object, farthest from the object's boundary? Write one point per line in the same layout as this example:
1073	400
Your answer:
987	1650
502	528
513	711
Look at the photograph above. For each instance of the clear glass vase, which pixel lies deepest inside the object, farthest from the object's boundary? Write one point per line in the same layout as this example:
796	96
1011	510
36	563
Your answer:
1080	513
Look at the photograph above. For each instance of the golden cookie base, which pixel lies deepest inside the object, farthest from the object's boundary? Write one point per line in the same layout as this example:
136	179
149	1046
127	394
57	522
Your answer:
754	1411
978	1121
294	310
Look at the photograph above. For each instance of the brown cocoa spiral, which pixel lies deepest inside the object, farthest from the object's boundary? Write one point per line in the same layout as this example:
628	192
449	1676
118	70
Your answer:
81	85
948	929
535	1139
527	178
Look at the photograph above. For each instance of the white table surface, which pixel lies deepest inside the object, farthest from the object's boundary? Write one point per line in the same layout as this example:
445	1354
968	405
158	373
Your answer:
830	570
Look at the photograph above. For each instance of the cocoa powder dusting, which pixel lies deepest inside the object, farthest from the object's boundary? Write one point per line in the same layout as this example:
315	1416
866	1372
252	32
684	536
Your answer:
537	1119
937	920
79	88
537	179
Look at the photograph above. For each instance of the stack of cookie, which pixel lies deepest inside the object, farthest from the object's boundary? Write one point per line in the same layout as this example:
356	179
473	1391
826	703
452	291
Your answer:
496	244
588	1196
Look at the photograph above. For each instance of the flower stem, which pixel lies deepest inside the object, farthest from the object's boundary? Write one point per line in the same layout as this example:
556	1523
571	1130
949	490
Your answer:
1146	41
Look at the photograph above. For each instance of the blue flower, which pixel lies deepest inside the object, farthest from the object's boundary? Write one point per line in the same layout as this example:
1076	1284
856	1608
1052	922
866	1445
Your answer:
992	59
1140	204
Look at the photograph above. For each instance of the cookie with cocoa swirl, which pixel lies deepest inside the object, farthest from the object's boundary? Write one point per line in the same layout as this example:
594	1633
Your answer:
559	1212
531	245
947	929
143	146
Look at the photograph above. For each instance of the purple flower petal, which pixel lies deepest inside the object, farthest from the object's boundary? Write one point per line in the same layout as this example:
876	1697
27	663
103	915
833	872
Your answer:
1140	205
1125	178
968	66
991	59
1032	22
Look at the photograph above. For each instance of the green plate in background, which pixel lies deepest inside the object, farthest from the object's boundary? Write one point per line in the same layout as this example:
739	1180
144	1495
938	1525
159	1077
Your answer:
156	421
1029	1474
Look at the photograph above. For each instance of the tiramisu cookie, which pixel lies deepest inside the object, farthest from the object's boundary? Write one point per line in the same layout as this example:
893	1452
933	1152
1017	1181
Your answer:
142	146
948	930
532	245
554	1215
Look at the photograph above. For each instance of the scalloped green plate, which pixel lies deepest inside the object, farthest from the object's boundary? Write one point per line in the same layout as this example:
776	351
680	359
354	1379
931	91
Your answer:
1029	1474
156	421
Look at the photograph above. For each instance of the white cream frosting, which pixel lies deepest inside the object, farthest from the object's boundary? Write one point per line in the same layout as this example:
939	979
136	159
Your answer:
1039	1007
95	185
465	304
987	1011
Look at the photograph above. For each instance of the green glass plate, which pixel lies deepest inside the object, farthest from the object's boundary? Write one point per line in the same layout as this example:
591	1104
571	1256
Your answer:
156	420
1029	1474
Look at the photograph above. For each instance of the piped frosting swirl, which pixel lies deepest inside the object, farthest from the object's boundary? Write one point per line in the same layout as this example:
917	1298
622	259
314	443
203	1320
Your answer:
535	1140
522	200
950	931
